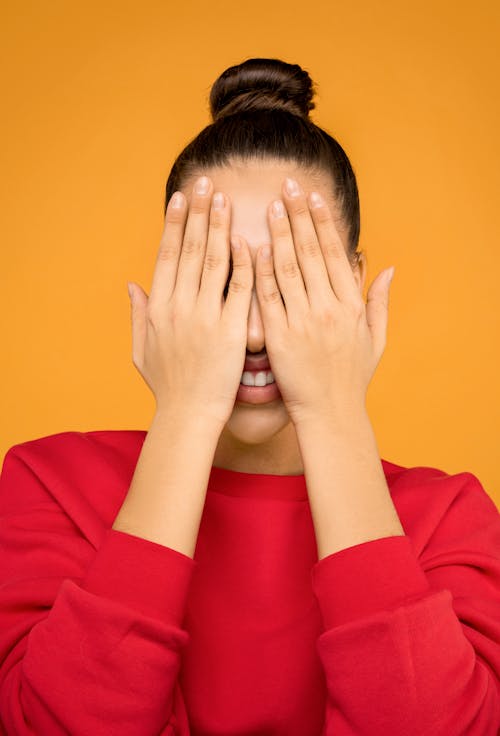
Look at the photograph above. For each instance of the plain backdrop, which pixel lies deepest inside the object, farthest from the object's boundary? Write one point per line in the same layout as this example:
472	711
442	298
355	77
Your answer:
98	98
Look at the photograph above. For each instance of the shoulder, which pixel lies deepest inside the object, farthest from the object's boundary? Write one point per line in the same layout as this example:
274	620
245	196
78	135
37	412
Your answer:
69	464
63	449
430	481
439	506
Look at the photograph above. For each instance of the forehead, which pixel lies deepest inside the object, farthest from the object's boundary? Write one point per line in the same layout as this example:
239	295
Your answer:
253	185
262	179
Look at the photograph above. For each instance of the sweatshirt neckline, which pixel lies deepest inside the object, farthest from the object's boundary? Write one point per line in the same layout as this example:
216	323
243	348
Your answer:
257	485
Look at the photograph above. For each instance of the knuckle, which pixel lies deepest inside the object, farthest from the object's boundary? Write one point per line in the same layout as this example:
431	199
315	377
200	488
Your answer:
300	208
167	252
236	286
329	315
192	244
199	206
290	269
281	240
212	261
335	249
272	296
218	220
310	248
281	228
239	279
176	313
175	216
268	289
322	215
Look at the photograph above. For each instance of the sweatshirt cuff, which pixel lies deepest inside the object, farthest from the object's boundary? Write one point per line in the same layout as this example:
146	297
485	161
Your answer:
367	578
141	574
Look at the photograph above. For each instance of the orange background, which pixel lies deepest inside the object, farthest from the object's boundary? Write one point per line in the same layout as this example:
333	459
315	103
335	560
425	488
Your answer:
99	98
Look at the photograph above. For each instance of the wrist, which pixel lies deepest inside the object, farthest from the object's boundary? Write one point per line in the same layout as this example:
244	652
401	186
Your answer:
341	417
185	418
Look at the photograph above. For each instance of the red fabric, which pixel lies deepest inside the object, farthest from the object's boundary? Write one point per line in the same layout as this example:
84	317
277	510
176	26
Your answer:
105	633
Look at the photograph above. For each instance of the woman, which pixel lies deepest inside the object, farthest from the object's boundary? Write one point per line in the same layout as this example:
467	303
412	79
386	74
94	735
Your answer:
249	565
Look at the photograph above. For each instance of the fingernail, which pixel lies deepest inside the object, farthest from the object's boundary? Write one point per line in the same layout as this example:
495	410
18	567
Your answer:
218	201
390	274
292	187
315	199
176	201
129	287
202	185
278	208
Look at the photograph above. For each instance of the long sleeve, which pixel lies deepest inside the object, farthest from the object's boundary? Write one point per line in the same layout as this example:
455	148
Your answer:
411	640
91	637
102	632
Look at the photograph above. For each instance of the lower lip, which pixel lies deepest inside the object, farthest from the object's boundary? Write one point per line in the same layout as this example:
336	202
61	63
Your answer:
258	394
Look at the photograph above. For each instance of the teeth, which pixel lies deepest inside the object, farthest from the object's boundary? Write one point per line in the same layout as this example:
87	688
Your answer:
262	378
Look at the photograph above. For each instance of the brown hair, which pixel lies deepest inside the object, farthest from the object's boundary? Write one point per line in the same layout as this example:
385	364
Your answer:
260	109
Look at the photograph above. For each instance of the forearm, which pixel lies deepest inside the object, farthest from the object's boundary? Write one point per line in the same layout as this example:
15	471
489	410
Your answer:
166	497
348	494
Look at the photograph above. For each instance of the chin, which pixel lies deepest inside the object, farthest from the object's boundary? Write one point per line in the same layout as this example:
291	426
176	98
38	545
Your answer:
254	424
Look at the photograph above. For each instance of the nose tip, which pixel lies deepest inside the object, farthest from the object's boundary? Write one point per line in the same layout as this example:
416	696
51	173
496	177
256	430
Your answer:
255	329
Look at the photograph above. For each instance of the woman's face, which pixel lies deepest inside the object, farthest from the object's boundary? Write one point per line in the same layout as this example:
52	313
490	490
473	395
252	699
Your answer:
251	187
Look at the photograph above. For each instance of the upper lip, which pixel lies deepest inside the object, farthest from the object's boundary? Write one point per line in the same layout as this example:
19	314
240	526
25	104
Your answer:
257	363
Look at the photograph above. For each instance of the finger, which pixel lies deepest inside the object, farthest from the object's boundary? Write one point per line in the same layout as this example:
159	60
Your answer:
377	310
307	247
239	294
334	254
194	243
274	314
283	265
217	255
165	271
138	303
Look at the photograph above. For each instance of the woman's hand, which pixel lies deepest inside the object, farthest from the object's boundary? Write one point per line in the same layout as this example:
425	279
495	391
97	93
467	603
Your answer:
324	343
188	344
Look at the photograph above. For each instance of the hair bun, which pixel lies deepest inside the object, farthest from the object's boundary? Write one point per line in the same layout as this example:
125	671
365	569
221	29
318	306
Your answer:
260	84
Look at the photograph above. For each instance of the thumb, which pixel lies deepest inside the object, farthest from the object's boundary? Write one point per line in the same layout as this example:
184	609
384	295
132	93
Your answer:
138	303
377	309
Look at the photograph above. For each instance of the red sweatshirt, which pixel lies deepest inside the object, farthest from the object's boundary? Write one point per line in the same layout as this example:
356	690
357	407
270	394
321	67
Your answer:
103	633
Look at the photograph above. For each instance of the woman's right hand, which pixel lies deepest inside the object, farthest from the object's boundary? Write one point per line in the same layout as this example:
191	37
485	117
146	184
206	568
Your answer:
188	344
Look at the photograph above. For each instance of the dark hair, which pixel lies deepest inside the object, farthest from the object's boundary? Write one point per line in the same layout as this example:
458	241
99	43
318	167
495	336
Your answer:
260	109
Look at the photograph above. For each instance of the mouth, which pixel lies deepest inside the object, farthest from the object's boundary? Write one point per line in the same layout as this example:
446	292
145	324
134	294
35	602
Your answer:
260	392
254	363
257	378
257	385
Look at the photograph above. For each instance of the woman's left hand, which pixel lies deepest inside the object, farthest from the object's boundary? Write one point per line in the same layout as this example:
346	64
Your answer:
324	343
